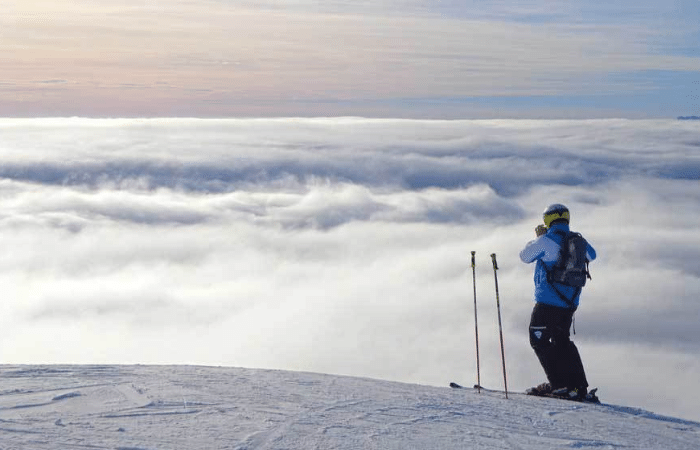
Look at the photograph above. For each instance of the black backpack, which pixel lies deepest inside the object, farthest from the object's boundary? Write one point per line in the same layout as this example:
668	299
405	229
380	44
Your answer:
571	268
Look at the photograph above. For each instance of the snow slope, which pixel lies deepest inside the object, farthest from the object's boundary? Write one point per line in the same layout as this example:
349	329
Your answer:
192	407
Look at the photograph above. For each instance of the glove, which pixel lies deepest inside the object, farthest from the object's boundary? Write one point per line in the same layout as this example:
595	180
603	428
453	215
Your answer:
540	230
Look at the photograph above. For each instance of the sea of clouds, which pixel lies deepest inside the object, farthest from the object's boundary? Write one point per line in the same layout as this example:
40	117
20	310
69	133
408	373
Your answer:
343	246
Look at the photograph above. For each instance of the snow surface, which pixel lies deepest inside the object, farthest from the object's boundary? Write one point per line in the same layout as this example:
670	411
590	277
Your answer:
194	407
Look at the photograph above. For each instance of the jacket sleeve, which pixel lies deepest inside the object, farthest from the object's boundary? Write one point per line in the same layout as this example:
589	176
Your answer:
532	251
590	253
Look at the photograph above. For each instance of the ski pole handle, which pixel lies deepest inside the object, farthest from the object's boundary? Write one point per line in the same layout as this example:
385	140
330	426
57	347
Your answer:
495	265
473	259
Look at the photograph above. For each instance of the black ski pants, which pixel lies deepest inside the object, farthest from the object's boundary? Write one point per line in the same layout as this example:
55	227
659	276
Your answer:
550	338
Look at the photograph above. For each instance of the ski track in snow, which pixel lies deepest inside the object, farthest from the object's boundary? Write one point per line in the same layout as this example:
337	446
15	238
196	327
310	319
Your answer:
191	407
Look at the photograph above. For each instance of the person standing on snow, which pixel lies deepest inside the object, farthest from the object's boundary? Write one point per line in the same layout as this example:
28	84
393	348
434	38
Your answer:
555	304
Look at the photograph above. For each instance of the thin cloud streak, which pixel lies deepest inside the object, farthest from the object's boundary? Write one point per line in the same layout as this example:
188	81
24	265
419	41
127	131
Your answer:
219	59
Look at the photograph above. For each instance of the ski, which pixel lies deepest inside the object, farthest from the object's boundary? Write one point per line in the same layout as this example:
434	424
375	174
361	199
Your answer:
591	397
454	385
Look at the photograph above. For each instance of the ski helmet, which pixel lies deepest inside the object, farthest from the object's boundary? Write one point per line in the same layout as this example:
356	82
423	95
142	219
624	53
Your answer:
555	212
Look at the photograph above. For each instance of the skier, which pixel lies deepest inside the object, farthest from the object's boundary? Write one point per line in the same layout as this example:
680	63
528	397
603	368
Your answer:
555	304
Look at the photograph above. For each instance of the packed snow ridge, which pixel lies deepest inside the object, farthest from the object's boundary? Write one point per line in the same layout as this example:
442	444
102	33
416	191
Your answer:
193	407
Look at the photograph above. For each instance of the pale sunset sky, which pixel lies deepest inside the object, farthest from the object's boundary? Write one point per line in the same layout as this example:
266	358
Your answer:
394	58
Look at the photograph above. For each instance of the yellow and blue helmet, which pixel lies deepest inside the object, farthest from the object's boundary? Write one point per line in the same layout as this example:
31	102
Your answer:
555	212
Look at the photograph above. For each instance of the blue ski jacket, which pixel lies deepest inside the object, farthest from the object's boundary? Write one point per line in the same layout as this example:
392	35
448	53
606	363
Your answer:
545	251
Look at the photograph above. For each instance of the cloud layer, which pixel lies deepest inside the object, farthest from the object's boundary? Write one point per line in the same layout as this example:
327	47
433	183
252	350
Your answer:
343	245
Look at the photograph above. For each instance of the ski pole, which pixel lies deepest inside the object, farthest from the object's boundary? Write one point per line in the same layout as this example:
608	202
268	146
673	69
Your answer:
476	325
500	327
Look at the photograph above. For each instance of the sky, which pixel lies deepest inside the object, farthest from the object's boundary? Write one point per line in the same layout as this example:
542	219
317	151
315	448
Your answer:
342	246
392	58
